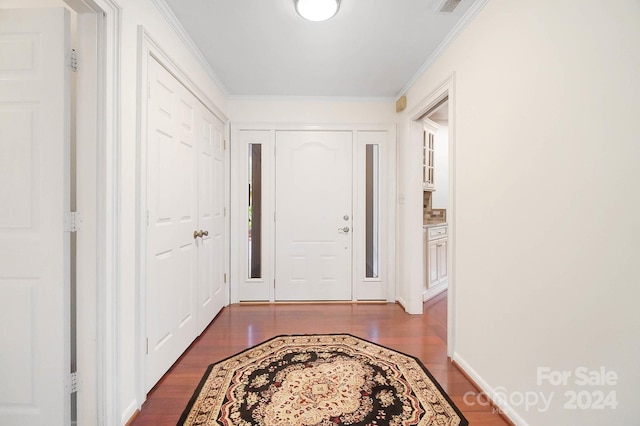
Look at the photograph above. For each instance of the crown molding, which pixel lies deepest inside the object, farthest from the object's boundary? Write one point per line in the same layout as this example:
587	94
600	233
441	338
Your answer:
466	19
174	23
309	98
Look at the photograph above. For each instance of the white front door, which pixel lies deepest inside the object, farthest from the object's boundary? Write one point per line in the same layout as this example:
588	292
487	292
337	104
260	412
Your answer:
313	215
34	197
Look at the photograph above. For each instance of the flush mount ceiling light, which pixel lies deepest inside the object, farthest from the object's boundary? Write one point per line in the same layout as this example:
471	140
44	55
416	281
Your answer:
317	10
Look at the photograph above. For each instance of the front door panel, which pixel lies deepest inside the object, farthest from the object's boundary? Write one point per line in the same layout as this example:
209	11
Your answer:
313	215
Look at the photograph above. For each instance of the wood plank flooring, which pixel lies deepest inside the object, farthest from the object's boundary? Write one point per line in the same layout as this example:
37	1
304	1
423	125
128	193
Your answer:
239	326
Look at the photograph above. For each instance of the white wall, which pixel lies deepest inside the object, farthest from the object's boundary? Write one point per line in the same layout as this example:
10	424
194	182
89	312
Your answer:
547	97
135	13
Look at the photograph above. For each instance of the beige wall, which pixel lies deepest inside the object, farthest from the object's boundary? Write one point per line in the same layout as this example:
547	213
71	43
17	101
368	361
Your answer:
310	111
135	13
546	166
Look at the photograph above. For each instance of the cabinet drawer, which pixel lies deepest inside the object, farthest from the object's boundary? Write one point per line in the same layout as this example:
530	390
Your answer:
437	232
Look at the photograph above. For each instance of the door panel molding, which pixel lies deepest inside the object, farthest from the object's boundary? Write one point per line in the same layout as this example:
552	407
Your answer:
35	249
151	50
314	192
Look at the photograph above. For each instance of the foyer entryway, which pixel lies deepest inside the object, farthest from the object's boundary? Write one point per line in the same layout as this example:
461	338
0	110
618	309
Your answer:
313	211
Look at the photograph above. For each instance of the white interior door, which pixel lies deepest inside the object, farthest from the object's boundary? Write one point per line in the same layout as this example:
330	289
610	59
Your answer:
185	234
172	211
211	295
34	197
313	215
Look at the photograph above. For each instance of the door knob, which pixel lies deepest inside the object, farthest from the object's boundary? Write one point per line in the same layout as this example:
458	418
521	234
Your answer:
345	229
200	234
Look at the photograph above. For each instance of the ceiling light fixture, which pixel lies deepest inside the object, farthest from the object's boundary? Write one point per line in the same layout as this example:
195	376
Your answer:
317	10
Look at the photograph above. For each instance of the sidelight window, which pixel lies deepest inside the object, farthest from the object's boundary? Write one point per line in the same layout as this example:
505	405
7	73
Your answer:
255	211
372	197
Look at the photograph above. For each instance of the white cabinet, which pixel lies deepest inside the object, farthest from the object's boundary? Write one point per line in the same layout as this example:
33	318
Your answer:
436	269
428	155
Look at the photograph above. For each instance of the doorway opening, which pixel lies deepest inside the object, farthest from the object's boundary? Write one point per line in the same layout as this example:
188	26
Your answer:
433	137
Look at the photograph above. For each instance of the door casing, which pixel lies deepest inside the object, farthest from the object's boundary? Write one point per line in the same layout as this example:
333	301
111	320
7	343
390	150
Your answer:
446	89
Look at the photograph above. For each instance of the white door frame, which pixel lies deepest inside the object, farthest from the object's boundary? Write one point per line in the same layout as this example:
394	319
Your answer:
98	148
445	89
265	133
148	47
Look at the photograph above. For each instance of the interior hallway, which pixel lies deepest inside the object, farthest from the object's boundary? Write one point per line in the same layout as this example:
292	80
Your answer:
239	326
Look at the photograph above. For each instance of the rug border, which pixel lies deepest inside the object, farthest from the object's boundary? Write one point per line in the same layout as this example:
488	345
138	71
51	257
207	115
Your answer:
205	375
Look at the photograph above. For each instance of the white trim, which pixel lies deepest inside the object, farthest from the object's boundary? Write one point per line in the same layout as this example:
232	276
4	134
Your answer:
386	215
445	89
434	291
466	19
110	160
495	395
310	98
171	19
98	301
148	48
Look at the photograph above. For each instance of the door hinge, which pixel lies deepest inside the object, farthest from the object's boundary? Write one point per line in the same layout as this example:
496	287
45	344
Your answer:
225	277
147	346
225	145
147	218
225	212
72	222
72	384
73	60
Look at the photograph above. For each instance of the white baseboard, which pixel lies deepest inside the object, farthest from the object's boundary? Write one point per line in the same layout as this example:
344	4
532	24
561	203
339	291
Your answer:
489	391
434	291
129	412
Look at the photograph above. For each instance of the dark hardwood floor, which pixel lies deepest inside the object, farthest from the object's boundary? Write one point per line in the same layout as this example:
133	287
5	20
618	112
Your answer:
239	326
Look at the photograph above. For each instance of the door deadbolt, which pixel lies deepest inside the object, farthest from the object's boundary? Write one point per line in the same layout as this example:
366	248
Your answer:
346	217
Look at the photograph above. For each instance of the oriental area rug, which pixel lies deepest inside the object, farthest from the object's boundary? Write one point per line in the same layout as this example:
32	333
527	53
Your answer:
326	380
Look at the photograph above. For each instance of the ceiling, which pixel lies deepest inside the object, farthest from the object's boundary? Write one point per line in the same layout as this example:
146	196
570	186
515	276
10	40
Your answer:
370	49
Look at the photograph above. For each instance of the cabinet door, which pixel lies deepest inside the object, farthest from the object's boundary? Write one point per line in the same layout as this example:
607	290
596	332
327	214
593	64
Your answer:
432	260
442	260
428	161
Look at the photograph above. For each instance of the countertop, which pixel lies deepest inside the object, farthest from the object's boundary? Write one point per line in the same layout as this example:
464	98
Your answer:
432	225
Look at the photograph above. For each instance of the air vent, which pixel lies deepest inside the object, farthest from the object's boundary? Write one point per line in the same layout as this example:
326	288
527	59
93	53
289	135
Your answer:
447	6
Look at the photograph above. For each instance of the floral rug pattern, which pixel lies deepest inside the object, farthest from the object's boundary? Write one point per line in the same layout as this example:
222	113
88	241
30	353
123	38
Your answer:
325	380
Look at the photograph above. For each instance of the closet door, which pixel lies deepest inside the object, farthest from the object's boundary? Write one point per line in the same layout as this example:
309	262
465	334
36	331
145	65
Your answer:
172	160
185	286
211	294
